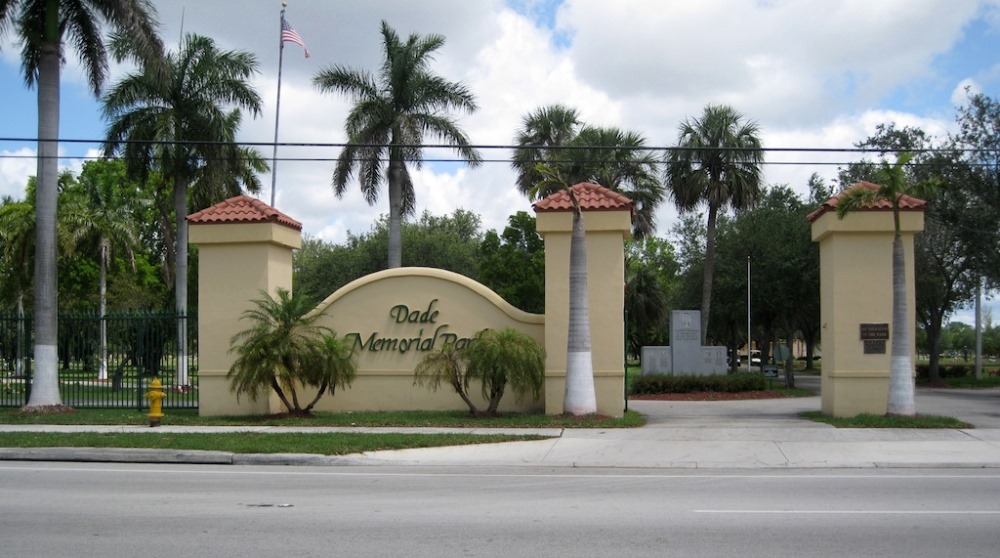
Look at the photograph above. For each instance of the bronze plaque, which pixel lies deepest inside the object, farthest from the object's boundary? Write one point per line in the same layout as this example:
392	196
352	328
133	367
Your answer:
875	331
874	346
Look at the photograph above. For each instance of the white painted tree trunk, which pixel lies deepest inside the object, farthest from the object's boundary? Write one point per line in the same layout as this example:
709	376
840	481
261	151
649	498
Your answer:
901	397
181	281
580	397
45	382
102	364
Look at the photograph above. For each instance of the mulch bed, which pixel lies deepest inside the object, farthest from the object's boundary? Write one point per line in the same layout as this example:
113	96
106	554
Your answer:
706	396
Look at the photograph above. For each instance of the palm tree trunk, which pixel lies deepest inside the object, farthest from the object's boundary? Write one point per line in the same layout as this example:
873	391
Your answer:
181	281
45	385
901	398
102	365
580	397
395	213
706	285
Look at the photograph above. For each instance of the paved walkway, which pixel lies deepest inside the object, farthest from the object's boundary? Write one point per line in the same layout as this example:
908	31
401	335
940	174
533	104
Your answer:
720	434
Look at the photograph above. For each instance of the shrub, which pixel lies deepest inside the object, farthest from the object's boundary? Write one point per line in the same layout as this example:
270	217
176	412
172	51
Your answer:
494	357
284	347
655	384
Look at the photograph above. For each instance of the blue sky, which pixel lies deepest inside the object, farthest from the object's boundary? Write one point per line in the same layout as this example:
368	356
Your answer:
810	76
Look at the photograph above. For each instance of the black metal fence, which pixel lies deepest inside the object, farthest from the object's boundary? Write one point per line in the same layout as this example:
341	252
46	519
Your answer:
106	362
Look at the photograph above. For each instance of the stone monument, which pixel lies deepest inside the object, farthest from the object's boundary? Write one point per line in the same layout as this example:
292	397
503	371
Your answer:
685	355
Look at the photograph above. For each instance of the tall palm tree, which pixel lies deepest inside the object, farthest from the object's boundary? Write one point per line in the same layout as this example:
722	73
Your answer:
893	186
175	121
392	113
42	28
100	215
717	162
580	395
614	158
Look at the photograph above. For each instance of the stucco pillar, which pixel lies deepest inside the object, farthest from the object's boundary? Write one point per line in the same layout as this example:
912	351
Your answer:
856	301
244	247
608	221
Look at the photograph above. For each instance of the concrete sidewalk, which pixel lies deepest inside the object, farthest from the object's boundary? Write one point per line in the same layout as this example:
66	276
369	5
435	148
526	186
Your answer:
718	434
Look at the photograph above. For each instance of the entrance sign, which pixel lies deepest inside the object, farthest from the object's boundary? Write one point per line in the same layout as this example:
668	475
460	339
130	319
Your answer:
396	317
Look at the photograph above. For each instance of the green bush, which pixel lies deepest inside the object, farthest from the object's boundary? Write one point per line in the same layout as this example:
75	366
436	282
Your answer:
955	371
730	383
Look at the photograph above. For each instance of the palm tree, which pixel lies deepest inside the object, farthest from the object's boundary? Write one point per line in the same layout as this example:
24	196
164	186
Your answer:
100	215
580	396
175	121
542	134
614	158
391	115
42	28
717	162
507	356
283	348
892	189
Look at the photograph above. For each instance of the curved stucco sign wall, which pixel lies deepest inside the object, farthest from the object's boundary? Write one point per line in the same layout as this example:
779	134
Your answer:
395	317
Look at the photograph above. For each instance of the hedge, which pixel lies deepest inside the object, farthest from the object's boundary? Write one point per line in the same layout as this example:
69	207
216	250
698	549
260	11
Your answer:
729	383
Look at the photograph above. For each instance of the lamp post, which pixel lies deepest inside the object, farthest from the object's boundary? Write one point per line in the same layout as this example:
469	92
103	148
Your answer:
748	312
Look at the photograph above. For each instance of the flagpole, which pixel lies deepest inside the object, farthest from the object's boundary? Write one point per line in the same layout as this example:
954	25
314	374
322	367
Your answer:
277	104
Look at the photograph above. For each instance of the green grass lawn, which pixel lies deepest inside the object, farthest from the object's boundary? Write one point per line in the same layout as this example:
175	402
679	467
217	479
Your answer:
250	442
318	443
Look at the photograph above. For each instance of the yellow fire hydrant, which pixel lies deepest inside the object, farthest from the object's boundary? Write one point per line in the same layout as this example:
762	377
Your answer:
155	396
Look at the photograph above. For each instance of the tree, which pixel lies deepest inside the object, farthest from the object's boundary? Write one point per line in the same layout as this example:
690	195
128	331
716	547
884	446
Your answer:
893	187
176	122
42	28
717	162
448	365
957	235
513	263
580	396
500	357
445	242
650	277
99	215
391	115
614	158
283	348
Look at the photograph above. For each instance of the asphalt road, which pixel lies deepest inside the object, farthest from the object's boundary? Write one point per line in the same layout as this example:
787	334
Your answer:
104	510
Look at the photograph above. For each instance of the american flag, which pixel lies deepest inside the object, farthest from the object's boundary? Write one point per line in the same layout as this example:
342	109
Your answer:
289	35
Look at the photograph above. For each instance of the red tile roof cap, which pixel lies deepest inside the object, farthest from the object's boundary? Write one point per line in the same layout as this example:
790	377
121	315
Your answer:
592	197
906	203
242	209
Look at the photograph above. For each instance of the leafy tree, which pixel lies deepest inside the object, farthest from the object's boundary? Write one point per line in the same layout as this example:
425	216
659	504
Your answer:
717	163
446	242
979	137
42	28
650	277
100	215
284	348
513	263
617	159
893	186
946	254
176	122
391	115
